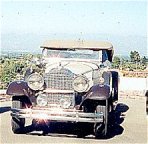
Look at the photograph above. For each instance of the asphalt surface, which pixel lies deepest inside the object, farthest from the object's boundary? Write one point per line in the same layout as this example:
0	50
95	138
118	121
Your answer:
130	127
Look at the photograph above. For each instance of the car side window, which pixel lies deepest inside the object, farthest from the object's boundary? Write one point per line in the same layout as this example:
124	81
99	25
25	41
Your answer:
104	55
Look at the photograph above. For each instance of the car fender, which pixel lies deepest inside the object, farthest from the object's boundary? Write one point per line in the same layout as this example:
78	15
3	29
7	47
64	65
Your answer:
98	92
17	88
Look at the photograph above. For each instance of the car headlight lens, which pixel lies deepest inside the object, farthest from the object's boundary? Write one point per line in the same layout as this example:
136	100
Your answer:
80	84
42	100
64	103
35	81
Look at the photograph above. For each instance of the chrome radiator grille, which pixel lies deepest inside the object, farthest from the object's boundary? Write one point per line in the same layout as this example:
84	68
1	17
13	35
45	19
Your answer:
60	79
56	98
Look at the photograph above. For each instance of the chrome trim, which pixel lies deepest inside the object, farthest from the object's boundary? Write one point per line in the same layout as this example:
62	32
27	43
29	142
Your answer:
58	114
59	78
57	91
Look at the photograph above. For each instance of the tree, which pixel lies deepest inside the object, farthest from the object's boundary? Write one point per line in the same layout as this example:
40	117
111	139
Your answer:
134	56
116	62
144	60
10	68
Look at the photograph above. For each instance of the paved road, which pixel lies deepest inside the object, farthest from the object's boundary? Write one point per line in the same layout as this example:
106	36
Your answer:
131	127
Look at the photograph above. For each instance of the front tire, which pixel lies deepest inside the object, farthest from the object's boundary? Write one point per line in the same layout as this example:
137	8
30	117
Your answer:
17	123
115	78
100	129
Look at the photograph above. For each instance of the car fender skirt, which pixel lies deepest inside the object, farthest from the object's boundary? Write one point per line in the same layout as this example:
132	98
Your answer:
99	92
17	88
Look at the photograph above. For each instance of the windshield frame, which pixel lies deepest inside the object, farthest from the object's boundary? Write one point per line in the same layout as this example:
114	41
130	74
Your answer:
98	58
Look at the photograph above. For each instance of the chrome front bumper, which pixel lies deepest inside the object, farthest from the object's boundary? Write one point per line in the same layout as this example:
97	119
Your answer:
57	114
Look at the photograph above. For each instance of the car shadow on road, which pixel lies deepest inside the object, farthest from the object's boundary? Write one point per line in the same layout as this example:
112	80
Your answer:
5	109
68	129
119	115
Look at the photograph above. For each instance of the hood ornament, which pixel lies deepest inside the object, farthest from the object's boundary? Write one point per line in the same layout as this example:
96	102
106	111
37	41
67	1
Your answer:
60	66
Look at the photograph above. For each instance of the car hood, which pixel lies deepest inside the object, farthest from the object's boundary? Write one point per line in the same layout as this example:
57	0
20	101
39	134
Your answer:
76	67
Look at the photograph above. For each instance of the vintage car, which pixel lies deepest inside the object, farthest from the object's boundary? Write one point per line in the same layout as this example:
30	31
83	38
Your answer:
72	82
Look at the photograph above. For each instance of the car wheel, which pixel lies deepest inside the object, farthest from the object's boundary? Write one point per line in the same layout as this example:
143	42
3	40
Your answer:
17	123
115	78
82	129
100	129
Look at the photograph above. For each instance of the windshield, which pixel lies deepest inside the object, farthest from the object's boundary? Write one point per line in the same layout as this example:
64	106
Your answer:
75	54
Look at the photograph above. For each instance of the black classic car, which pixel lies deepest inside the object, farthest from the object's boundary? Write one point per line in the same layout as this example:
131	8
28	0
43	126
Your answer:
72	82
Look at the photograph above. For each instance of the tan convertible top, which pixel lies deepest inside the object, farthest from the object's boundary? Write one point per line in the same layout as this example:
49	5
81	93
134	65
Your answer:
65	44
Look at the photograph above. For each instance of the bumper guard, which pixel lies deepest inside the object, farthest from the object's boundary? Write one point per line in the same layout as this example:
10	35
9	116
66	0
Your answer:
57	114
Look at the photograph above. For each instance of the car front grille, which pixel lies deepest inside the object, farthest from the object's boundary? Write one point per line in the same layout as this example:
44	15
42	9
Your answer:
60	79
56	98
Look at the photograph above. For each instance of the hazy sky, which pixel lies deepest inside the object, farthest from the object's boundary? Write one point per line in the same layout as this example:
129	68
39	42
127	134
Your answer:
26	24
109	17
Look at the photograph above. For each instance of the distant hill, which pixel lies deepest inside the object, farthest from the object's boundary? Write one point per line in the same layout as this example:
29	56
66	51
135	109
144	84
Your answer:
31	42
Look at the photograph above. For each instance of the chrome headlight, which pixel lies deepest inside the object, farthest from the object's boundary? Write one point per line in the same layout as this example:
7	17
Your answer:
35	81
64	103
42	100
80	84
